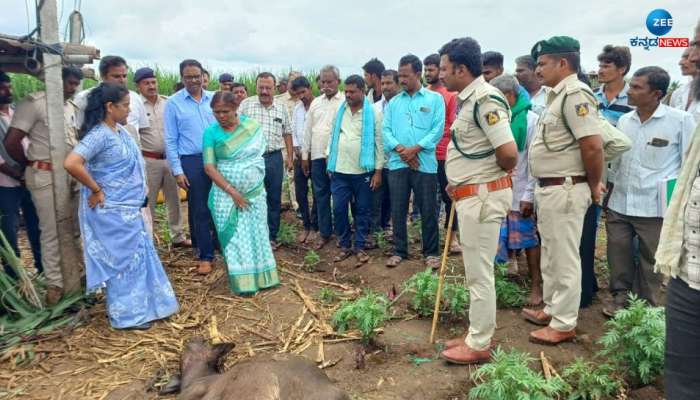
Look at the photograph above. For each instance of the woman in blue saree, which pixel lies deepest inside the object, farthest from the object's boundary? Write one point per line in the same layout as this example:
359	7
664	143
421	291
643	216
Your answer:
119	253
233	149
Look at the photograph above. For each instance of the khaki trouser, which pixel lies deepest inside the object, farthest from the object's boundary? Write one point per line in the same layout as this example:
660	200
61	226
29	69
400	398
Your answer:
480	219
560	213
159	177
40	185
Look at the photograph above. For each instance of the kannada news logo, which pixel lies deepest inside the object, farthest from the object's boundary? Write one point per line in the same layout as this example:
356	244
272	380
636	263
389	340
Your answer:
659	22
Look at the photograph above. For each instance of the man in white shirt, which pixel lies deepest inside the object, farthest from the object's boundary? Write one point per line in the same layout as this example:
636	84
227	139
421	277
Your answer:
680	96
688	97
114	69
300	88
660	136
317	131
519	228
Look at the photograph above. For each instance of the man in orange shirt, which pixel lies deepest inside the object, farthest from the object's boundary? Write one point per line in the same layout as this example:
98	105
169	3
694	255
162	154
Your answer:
431	67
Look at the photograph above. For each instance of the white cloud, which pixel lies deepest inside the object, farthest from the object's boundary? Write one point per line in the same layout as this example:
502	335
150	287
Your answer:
306	34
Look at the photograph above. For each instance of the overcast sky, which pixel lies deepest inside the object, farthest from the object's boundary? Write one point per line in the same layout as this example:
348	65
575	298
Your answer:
235	36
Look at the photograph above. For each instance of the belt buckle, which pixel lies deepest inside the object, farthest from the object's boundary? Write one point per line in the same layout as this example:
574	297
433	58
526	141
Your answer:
568	182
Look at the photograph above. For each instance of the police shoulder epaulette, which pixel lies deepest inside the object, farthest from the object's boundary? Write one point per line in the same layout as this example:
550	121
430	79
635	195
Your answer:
482	95
578	86
572	88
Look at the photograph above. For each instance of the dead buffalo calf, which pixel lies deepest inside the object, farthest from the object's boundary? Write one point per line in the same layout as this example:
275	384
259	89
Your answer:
289	378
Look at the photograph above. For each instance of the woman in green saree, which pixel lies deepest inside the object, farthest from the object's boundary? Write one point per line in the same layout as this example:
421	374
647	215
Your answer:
233	148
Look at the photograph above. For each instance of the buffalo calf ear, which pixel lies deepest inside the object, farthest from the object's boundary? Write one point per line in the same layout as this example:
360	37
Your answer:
222	349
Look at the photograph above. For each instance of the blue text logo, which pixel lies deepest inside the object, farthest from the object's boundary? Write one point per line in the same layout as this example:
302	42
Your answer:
659	22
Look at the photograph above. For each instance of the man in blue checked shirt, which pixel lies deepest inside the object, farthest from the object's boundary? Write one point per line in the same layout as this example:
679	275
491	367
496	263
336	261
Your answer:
413	125
187	115
613	64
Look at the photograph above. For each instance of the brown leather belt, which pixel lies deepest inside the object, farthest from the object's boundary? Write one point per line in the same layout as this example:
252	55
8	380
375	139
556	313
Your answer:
42	165
560	180
150	154
472	189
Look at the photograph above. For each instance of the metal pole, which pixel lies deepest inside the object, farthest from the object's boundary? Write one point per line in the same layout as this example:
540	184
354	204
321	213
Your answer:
70	259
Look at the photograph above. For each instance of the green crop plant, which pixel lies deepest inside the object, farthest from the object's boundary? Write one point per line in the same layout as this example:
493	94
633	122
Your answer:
592	381
508	293
327	296
414	230
380	239
23	84
508	376
287	233
635	339
366	314
456	300
423	286
161	218
311	258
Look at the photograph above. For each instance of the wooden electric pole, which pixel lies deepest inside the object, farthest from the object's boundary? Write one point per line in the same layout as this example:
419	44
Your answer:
71	260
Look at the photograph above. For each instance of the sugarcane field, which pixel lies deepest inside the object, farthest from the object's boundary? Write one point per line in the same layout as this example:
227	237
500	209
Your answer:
302	201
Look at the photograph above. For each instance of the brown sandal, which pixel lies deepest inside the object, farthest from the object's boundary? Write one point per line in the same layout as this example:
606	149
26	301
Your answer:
343	255
204	267
432	262
321	242
362	258
393	261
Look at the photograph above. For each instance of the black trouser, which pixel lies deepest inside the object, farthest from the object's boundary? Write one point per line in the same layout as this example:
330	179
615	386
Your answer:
12	200
381	204
589	284
442	182
199	216
424	186
301	190
274	174
681	372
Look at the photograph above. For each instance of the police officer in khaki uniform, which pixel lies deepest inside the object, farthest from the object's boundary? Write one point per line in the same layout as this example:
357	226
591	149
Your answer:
158	174
566	159
30	121
480	154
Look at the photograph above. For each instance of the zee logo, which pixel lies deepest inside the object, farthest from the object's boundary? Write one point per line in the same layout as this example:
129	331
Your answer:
659	22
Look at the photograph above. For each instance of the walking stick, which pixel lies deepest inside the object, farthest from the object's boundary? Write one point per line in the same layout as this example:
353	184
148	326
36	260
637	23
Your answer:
441	274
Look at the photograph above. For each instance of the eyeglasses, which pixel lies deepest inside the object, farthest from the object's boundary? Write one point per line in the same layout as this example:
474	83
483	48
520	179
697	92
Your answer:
192	78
